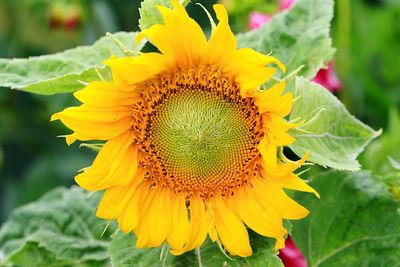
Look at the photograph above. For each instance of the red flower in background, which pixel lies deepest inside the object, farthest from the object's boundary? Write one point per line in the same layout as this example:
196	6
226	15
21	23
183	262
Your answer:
257	19
64	15
285	4
291	256
325	77
328	78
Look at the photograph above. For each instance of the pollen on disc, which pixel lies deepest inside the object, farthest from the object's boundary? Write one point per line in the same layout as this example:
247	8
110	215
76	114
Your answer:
200	138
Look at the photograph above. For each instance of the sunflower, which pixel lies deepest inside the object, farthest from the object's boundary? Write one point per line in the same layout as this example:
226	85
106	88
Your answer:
191	140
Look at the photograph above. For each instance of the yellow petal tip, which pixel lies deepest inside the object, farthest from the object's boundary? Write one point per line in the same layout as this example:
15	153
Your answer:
221	12
55	116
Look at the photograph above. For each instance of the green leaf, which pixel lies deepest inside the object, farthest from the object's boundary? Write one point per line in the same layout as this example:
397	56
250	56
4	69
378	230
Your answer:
149	13
356	222
383	154
123	254
60	229
394	163
392	179
332	135
61	72
300	36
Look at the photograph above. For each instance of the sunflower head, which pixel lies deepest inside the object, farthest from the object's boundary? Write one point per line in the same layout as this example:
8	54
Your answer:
191	140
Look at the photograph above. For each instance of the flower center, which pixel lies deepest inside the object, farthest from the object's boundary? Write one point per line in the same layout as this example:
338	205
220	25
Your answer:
200	136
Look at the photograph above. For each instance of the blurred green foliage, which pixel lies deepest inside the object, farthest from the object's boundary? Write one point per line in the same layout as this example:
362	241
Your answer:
367	36
383	154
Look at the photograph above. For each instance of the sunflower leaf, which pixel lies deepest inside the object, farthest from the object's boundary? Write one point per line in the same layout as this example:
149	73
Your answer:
299	36
63	72
356	222
333	136
149	13
123	253
60	229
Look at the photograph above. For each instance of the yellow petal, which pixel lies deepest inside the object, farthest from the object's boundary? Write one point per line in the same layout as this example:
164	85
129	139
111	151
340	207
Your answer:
130	215
253	78
222	43
71	138
264	222
89	114
277	123
154	225
197	226
282	138
179	232
137	69
123	172
244	58
108	123
116	164
180	38
292	181
268	150
270	195
271	212
105	94
117	198
284	176
283	106
249	69
272	100
210	222
231	230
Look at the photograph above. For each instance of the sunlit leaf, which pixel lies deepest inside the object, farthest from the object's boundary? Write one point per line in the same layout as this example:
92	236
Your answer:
63	72
333	136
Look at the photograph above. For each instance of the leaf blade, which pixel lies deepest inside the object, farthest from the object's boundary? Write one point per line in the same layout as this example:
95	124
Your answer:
342	228
334	137
60	229
62	72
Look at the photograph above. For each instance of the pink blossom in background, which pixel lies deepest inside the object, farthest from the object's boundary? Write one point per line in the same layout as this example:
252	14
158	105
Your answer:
291	255
328	78
257	19
285	4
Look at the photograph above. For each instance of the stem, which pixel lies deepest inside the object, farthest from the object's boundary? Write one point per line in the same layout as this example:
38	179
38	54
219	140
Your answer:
125	51
197	251
293	73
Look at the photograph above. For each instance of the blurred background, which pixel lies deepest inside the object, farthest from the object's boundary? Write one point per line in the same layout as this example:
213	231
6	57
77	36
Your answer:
365	76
